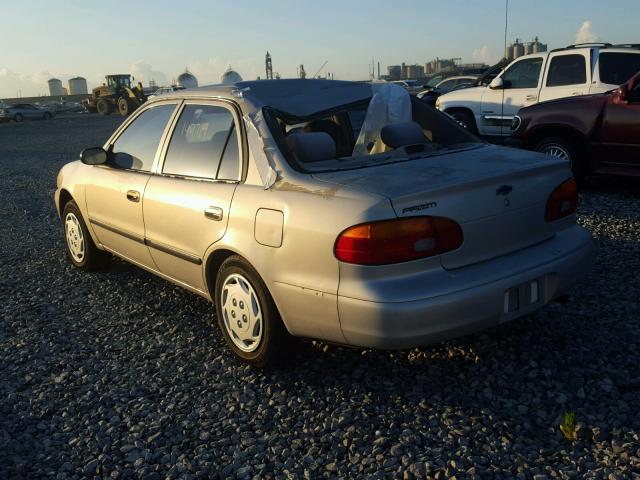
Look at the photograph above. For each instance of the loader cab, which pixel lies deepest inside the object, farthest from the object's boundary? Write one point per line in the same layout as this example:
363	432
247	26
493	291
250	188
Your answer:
118	82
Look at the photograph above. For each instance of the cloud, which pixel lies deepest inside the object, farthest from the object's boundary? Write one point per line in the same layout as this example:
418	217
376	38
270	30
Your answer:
585	35
482	55
144	72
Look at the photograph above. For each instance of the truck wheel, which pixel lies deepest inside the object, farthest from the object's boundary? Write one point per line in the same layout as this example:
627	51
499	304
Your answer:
124	107
103	107
247	315
561	148
465	120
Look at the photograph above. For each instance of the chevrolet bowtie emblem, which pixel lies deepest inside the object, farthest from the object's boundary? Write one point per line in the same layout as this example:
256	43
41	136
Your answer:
504	190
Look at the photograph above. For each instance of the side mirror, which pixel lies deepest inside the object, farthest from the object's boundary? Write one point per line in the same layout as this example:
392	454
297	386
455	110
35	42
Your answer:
621	94
93	156
496	84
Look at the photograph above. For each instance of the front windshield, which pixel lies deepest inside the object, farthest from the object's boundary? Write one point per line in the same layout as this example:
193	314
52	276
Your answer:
436	133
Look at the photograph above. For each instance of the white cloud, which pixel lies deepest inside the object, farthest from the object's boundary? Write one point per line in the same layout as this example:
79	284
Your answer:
585	35
144	72
482	55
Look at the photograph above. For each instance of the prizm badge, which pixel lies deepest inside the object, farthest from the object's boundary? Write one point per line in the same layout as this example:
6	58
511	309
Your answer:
504	190
417	208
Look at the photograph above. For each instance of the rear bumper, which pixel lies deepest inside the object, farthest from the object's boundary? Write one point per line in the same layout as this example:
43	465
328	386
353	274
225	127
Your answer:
472	305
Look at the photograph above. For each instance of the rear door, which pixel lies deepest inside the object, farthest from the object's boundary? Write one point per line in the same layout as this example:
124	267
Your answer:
567	74
620	133
521	86
114	193
187	204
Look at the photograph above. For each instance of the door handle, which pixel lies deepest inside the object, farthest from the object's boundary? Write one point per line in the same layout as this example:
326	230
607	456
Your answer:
576	94
133	196
532	98
213	213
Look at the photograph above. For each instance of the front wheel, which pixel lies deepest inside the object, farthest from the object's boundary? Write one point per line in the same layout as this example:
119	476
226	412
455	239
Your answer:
465	120
124	107
18	117
46	116
247	315
81	250
560	148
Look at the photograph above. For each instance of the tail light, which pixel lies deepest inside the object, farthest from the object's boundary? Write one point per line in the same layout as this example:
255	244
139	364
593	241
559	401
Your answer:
563	201
398	240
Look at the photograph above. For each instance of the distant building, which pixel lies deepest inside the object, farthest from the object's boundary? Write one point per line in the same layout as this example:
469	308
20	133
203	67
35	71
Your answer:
55	87
440	65
78	86
187	79
412	71
230	76
394	72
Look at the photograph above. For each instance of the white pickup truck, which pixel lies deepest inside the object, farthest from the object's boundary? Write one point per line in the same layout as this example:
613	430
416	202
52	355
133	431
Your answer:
574	70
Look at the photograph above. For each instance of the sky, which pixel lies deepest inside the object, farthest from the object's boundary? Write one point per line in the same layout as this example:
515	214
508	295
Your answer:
158	39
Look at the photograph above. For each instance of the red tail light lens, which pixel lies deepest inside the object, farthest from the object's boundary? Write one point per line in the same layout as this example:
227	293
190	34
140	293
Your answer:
563	201
398	240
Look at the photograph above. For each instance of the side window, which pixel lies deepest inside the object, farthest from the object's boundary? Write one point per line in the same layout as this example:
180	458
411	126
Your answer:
204	144
635	93
523	74
617	67
136	148
567	70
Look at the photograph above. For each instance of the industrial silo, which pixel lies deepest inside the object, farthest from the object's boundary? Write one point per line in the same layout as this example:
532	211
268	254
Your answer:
518	49
55	87
78	86
187	80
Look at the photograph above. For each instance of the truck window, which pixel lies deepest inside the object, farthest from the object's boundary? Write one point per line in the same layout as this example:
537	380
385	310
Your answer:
567	70
523	74
618	67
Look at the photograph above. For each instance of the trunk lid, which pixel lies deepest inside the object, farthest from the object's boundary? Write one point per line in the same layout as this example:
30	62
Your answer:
498	196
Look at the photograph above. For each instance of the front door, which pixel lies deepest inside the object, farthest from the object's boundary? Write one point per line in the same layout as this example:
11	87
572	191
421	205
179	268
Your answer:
114	193
521	84
187	205
620	134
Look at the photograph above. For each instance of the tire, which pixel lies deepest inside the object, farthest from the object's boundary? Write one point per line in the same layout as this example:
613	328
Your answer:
46	116
81	250
103	107
465	120
246	314
562	148
18	117
124	107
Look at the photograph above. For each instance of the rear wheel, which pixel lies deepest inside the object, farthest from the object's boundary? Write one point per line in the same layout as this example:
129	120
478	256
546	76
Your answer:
565	149
247	315
46	116
103	107
18	117
465	120
81	250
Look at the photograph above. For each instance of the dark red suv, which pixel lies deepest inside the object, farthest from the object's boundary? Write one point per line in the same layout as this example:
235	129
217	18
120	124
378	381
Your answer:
596	133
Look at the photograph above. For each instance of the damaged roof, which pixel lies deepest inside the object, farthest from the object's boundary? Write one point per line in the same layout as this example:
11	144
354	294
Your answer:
298	97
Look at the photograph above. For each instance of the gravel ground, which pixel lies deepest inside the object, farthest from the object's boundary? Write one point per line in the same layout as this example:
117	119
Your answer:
117	374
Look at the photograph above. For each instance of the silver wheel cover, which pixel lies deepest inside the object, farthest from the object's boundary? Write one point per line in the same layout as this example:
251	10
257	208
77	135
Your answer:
556	151
75	238
241	312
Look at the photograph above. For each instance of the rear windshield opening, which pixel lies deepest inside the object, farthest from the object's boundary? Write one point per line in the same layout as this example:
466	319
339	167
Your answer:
433	132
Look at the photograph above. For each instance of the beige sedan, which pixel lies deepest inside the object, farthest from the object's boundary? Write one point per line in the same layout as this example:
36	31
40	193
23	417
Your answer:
340	211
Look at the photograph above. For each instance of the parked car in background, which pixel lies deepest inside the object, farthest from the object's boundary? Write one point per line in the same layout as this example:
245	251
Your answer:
596	133
571	71
411	86
24	111
261	197
163	90
447	85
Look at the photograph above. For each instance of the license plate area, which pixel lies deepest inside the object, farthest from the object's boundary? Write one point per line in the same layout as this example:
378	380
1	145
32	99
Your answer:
522	296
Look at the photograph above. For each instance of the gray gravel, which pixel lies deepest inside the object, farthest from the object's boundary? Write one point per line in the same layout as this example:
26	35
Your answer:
117	374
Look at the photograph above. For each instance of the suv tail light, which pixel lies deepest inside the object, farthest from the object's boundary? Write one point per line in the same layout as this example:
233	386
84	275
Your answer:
563	201
398	240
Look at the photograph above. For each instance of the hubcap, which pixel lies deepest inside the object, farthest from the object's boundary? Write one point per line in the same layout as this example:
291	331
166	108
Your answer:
556	151
75	238
241	312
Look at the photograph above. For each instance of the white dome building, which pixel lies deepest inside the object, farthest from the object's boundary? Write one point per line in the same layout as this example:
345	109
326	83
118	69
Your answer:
187	79
230	76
